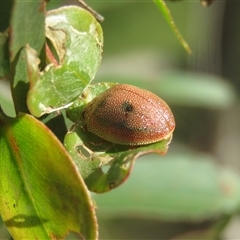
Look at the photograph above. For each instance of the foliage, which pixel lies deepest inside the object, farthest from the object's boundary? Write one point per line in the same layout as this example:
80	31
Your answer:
49	162
41	187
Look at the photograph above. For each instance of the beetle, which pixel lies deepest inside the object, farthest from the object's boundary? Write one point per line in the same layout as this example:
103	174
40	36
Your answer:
128	115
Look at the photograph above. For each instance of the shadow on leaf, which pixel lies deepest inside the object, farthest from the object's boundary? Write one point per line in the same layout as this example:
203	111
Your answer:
24	221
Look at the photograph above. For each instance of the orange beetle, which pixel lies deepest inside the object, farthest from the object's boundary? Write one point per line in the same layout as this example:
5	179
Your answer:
128	115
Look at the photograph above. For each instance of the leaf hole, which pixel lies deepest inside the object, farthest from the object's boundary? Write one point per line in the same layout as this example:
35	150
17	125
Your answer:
105	169
81	150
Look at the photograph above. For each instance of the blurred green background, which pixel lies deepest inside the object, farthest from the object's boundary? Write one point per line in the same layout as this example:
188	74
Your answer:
194	191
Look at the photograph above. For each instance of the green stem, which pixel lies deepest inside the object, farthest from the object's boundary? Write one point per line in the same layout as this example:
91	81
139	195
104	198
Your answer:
166	13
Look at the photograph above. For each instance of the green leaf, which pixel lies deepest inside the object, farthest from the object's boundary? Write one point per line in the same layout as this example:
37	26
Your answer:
4	56
195	90
42	194
103	165
78	41
20	82
27	27
166	13
179	187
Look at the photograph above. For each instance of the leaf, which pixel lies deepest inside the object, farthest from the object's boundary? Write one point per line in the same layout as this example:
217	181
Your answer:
19	82
27	27
196	90
180	187
42	194
166	13
4	56
103	165
32	16
77	39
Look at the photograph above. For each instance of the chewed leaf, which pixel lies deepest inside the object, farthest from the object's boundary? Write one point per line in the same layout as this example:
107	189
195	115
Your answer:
104	165
77	38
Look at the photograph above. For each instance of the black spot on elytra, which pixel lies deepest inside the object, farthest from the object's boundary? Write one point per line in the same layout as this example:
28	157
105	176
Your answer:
127	107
